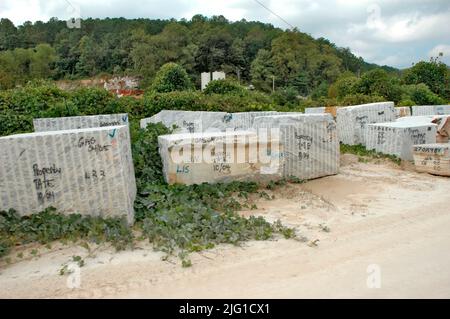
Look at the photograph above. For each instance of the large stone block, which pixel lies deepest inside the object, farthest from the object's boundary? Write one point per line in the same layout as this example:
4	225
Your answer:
352	120
219	157
311	145
430	109
189	121
398	138
79	122
86	171
432	158
201	121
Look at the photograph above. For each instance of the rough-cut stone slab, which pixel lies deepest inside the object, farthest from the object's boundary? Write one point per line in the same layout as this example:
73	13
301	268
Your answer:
200	121
189	121
311	146
79	122
397	138
242	121
430	109
352	120
402	111
219	157
432	158
86	171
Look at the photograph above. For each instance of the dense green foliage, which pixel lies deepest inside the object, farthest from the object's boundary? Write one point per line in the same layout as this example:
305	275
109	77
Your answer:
224	87
142	46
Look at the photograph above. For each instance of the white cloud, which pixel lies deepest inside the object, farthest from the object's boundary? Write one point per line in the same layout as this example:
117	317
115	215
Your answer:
441	48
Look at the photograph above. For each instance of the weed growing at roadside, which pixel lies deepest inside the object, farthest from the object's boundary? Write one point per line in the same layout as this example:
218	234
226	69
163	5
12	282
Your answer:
362	152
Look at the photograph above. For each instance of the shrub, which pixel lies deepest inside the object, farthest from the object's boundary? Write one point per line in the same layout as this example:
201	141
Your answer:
420	94
224	87
359	98
171	77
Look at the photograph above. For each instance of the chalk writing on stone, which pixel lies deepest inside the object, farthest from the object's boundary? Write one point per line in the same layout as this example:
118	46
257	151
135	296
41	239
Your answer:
362	120
44	181
92	145
114	123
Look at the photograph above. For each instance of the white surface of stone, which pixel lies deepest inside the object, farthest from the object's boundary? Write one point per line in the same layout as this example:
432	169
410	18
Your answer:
205	79
189	121
86	171
315	110
219	157
79	122
430	109
398	138
310	142
352	120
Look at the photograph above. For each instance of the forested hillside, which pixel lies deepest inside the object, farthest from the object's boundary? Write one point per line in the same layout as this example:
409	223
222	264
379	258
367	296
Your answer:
253	52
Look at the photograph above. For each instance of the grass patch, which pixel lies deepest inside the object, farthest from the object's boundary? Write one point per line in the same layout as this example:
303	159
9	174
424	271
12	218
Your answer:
365	154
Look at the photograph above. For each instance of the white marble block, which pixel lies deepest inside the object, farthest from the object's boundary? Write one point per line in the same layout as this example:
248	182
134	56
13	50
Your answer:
219	157
398	138
432	158
430	109
311	145
79	122
242	121
189	121
202	121
86	171
352	120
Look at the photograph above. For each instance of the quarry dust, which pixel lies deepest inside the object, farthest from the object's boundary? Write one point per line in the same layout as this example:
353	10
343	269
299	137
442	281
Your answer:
371	213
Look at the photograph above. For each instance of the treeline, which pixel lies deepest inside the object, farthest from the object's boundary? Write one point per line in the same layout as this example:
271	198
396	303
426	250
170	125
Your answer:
304	71
253	51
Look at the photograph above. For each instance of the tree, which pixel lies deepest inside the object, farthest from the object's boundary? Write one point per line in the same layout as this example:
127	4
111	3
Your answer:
171	77
434	74
8	35
42	61
262	71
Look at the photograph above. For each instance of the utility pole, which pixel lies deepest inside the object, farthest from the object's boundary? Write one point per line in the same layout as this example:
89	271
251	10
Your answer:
273	83
238	71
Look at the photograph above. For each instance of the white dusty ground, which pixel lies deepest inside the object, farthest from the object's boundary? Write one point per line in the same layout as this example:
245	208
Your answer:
376	213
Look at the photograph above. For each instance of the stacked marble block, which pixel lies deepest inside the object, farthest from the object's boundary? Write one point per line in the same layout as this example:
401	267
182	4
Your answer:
79	122
87	171
310	143
352	121
398	138
315	110
213	157
203	121
430	110
432	158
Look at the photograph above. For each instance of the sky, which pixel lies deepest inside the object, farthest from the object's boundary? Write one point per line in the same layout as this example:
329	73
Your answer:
387	32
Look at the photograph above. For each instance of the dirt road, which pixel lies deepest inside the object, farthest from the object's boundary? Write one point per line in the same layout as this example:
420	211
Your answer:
373	224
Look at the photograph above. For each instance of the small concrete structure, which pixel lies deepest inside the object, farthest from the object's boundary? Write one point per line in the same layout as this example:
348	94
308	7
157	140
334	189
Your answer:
352	121
310	141
86	171
430	110
79	122
397	138
219	157
432	158
207	77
